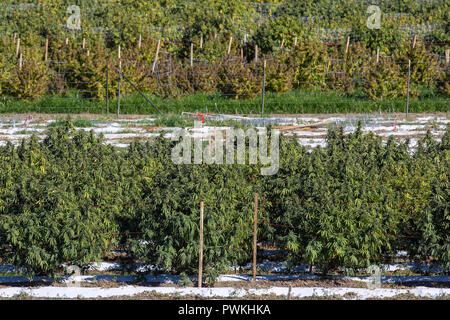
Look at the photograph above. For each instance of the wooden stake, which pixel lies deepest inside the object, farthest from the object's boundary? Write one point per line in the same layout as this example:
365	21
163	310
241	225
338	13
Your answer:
347	45
18	47
229	44
215	141
20	62
140	41
156	55
447	56
414	41
255	235
107	90
242	53
67	41
200	253
84	44
295	42
282	44
256	53
407	88
378	56
192	55
263	87
201	42
46	50
87	53
15	36
118	55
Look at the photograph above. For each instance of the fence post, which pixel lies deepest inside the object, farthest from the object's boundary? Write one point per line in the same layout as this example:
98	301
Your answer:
407	88
255	235
263	87
347	45
18	47
200	253
46	50
107	90
192	55
118	96
156	56
229	44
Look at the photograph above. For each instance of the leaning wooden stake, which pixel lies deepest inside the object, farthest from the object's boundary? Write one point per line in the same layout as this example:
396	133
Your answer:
414	41
255	235
46	50
295	42
20	62
229	44
156	55
347	45
18	47
200	253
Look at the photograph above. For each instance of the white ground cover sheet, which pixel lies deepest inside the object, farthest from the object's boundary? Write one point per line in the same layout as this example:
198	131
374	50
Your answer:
218	292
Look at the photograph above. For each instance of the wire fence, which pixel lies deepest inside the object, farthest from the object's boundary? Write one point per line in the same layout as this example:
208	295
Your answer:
241	85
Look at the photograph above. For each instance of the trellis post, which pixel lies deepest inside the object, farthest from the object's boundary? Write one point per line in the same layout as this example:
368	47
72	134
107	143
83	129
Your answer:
255	235
407	88
200	253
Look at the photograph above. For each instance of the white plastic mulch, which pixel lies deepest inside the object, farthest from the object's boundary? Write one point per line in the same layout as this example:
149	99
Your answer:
219	292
